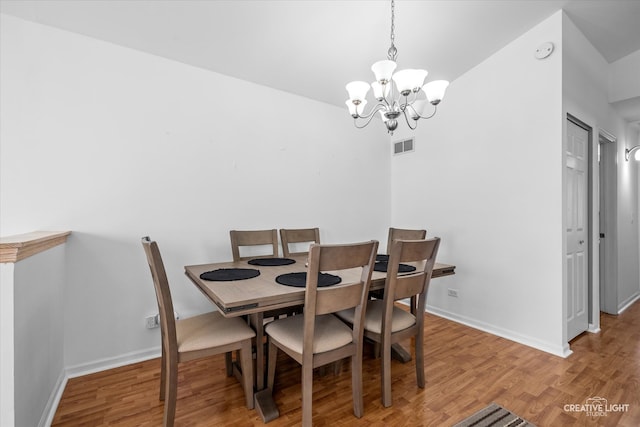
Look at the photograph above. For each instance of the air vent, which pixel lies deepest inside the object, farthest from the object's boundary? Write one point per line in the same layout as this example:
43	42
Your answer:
403	146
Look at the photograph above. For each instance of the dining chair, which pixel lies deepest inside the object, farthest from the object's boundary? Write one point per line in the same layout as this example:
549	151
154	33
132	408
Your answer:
387	324
240	238
404	234
298	236
193	337
317	337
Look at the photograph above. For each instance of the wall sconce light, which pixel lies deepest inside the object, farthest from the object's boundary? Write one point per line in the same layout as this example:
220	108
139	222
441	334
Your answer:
628	151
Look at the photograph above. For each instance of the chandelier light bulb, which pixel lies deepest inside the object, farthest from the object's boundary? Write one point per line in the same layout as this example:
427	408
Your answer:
409	80
355	109
417	108
435	90
357	91
383	70
380	91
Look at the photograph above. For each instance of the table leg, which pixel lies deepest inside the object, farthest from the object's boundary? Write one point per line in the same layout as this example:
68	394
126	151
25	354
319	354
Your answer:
400	353
263	398
265	405
257	321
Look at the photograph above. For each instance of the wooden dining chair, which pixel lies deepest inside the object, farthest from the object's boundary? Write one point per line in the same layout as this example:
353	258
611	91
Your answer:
404	234
193	337
297	236
387	324
317	337
240	238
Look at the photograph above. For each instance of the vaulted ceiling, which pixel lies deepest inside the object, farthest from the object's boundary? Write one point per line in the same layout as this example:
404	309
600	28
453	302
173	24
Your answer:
313	48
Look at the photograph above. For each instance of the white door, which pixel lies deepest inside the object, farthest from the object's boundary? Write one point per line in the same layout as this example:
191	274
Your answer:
577	229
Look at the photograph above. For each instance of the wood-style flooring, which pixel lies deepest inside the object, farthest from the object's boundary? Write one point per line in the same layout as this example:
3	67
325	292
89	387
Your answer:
466	370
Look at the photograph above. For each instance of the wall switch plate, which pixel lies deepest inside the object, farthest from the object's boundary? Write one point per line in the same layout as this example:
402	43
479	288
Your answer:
452	293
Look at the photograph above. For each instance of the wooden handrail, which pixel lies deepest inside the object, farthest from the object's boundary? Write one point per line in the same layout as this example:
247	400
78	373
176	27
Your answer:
21	246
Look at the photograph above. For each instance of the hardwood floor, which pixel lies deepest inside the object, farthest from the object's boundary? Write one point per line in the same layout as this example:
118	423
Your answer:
466	370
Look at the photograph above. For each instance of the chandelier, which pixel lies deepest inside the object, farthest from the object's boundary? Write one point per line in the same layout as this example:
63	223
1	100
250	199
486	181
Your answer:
408	97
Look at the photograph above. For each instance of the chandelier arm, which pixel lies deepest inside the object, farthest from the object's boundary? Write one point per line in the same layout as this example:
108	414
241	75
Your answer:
379	106
435	109
355	123
406	119
368	117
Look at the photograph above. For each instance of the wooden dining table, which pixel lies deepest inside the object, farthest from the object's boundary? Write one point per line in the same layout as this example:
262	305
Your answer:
255	296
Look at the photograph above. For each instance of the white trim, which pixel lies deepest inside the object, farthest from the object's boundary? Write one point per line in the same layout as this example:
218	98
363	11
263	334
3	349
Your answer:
628	303
54	400
593	329
112	362
562	351
91	368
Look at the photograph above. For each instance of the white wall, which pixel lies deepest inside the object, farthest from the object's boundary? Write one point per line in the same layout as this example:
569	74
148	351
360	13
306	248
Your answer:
586	95
624	82
629	244
39	334
486	176
114	144
7	377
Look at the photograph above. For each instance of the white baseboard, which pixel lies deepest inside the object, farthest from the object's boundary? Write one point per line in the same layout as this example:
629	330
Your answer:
52	405
562	351
90	368
629	302
112	362
593	329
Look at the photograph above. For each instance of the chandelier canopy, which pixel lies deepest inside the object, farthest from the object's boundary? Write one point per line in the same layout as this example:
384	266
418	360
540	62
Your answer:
408	97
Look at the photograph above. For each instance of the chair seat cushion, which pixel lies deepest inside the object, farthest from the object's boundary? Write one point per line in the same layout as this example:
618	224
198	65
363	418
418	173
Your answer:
330	333
400	319
210	330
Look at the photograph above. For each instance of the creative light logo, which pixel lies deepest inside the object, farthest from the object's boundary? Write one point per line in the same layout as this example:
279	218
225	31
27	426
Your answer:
596	407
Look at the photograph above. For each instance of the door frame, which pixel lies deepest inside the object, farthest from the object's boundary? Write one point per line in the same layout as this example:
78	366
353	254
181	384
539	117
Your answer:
594	181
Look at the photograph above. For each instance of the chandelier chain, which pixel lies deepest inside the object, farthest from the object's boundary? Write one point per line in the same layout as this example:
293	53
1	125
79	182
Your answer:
393	52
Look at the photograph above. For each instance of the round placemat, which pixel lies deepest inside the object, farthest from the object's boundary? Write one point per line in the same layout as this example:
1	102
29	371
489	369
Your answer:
402	268
271	262
229	274
382	257
300	279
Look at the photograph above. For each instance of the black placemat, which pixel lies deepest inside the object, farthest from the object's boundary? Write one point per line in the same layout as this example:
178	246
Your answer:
382	257
229	274
300	279
402	268
271	262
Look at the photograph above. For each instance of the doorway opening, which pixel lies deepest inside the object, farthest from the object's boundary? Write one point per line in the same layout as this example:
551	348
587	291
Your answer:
608	214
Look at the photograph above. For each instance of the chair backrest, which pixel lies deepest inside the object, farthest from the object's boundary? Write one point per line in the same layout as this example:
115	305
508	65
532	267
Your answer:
163	295
253	238
404	234
421	253
300	235
330	299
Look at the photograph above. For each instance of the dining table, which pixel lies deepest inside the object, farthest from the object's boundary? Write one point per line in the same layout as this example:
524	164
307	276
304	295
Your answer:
254	296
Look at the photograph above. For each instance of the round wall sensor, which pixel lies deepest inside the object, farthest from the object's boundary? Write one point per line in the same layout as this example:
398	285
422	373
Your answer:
544	50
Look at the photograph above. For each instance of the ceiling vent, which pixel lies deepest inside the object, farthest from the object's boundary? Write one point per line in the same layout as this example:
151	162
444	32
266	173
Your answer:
404	146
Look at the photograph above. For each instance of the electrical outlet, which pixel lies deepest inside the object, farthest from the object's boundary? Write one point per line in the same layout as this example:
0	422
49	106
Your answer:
152	322
452	292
